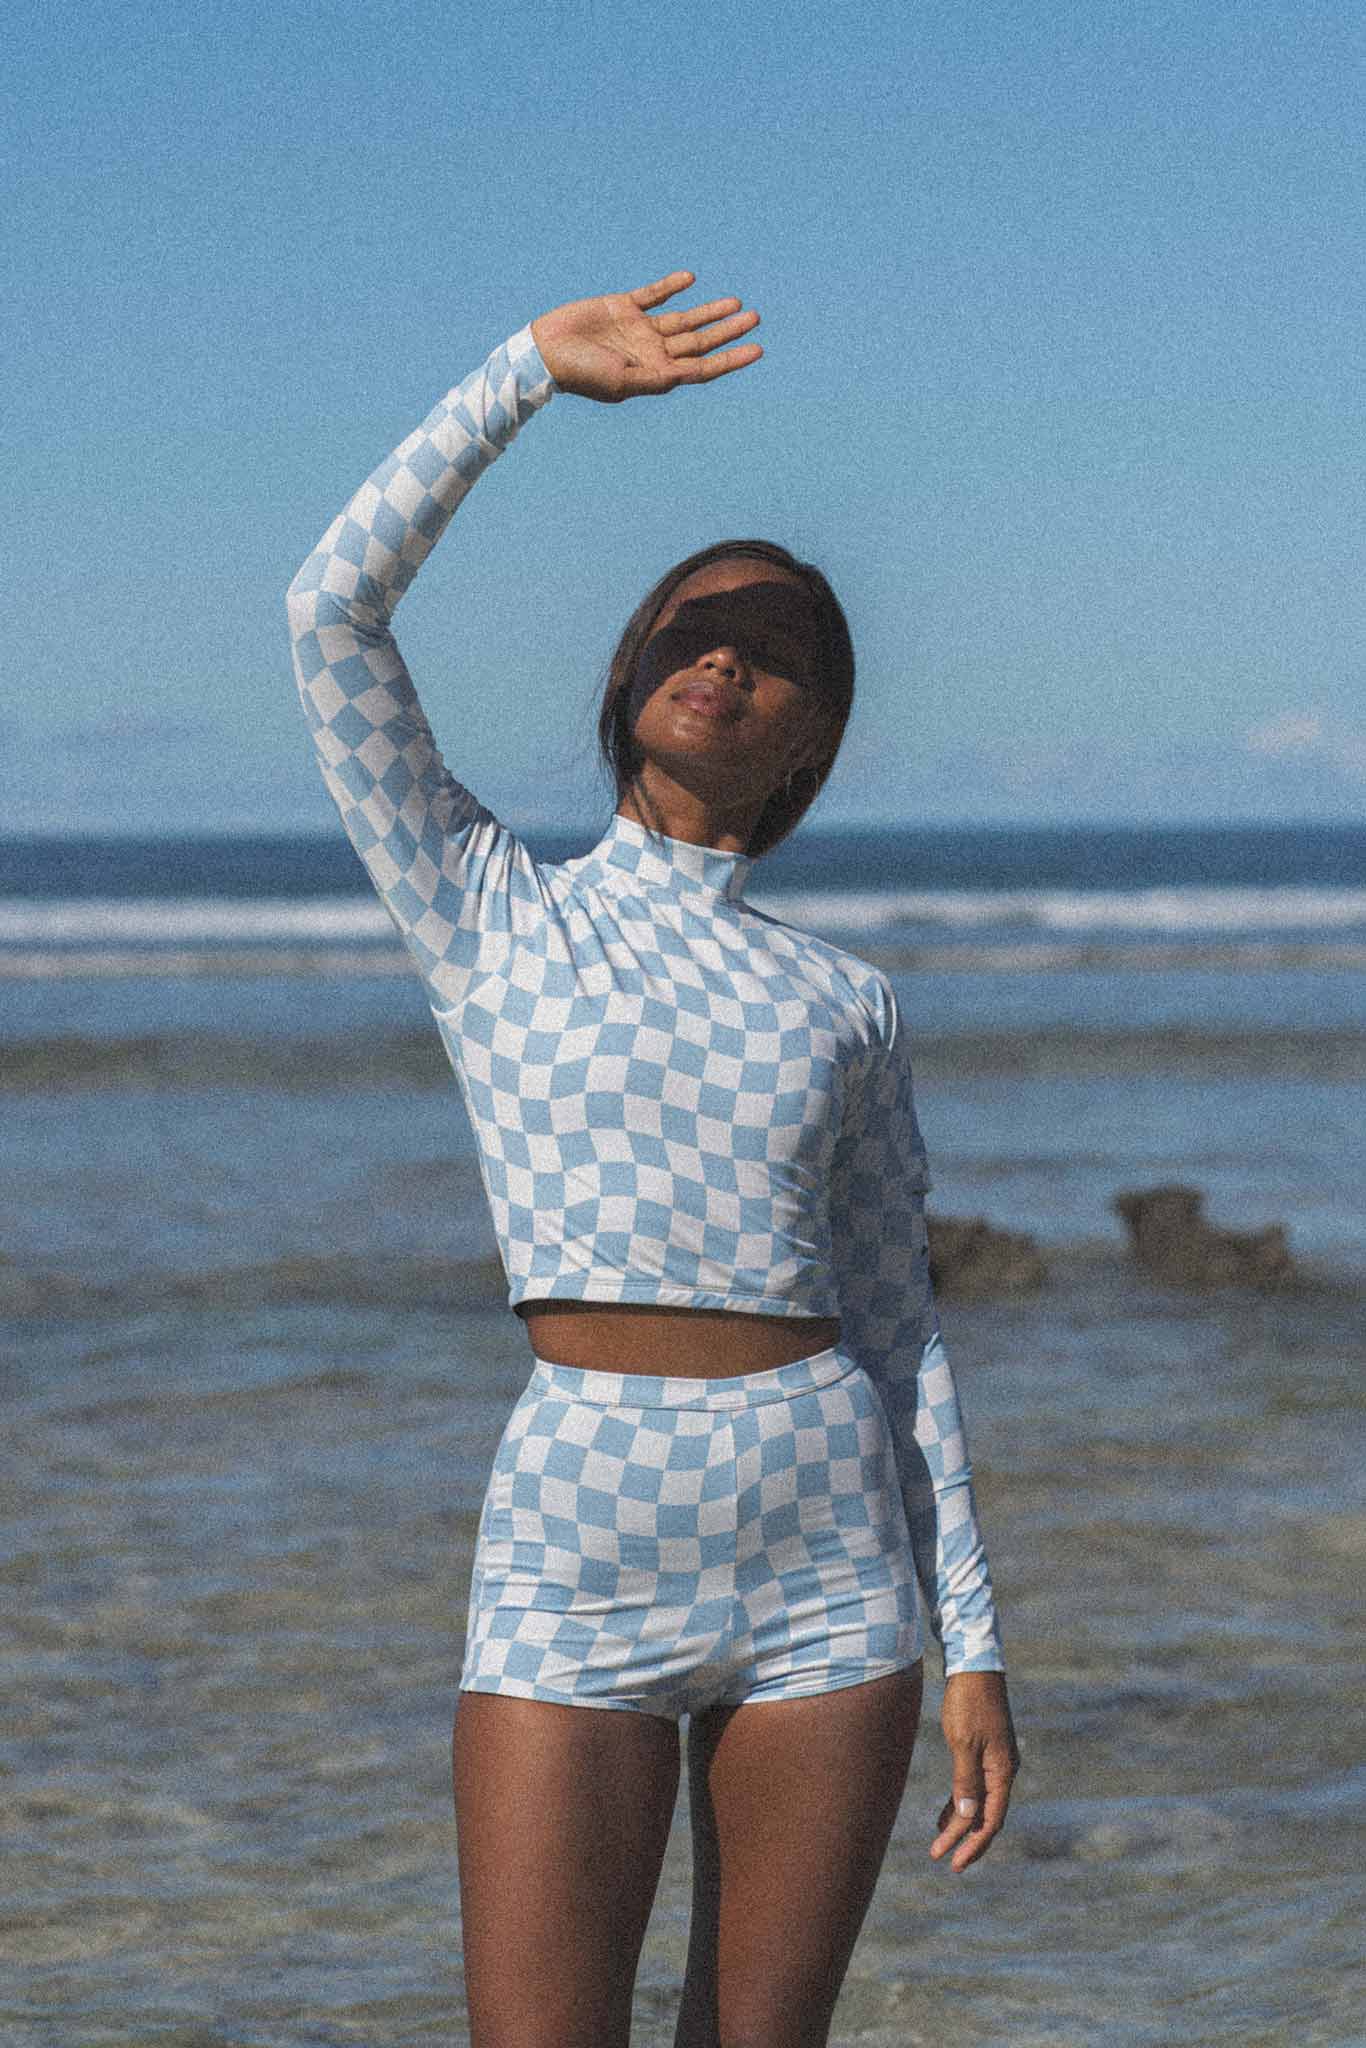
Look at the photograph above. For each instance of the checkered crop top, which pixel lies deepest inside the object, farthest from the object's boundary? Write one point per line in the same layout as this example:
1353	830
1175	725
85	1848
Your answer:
677	1099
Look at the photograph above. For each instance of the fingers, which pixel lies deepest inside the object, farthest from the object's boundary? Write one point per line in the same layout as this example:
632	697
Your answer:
968	1835
981	1739
656	379
647	295
995	1810
693	340
972	1819
717	366
690	359
985	1761
693	355
683	318
613	347
712	336
961	1821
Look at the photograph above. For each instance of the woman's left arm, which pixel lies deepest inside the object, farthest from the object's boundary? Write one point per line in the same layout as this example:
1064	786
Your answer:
890	1325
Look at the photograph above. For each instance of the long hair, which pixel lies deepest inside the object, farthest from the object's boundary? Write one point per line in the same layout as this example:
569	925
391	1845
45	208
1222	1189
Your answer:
835	656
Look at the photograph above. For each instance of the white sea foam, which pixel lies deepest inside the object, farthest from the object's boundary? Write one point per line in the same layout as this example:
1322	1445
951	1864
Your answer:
1173	911
187	921
85	928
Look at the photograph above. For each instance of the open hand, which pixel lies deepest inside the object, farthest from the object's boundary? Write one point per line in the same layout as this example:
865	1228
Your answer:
981	1739
618	347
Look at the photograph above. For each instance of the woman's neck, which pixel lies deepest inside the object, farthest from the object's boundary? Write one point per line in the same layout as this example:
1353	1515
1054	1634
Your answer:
660	804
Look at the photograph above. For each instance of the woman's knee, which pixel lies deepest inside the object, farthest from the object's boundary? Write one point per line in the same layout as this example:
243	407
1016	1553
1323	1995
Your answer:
763	2029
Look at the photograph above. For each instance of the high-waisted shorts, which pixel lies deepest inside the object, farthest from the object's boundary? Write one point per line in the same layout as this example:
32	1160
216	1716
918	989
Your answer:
668	1545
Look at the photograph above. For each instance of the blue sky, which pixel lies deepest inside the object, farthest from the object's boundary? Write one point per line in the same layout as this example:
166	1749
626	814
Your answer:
1065	385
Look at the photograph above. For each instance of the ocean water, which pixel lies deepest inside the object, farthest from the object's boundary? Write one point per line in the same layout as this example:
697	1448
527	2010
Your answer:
255	1362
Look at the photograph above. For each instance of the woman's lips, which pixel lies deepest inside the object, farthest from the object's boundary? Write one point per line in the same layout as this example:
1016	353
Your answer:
712	700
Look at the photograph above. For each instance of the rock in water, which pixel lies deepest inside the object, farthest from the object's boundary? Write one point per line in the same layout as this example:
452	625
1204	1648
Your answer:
1169	1236
970	1260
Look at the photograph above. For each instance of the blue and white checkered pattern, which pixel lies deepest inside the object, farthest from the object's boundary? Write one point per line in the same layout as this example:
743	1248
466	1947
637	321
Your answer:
888	1321
671	1545
677	1100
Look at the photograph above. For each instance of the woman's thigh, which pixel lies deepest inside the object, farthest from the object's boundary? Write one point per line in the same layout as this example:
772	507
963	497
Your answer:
562	1816
793	1802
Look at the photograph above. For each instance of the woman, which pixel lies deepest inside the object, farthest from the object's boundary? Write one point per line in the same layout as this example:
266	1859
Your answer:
740	1443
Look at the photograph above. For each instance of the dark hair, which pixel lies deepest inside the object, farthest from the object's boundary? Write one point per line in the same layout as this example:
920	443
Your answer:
787	804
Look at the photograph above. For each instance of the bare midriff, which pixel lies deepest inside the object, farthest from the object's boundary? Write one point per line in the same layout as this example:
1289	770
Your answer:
684	1343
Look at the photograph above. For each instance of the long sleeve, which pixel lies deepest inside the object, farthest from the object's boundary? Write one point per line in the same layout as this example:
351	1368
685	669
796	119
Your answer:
890	1325
444	867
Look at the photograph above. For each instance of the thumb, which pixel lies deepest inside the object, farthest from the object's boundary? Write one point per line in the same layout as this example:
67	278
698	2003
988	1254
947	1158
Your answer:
962	1811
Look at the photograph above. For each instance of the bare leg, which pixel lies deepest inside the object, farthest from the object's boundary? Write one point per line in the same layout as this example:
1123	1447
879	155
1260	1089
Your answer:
562	1815
792	1805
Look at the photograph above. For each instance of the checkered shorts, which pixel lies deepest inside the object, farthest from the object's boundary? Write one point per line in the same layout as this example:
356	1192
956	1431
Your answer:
669	1545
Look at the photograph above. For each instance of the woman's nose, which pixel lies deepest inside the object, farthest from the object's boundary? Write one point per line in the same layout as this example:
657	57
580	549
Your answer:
725	660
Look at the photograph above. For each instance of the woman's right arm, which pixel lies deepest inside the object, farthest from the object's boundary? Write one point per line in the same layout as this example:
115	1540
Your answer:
428	845
444	868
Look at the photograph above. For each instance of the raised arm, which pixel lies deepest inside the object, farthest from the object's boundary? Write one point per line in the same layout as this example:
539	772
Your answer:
890	1325
430	848
444	867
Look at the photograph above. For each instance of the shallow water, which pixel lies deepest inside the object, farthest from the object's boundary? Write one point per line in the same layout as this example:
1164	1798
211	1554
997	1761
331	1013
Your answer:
235	1557
254	1369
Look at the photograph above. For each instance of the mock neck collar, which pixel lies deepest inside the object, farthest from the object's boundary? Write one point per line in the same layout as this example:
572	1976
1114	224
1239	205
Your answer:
666	863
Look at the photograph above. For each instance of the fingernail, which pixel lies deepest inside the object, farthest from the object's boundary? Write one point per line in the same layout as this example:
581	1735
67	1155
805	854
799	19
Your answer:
966	1806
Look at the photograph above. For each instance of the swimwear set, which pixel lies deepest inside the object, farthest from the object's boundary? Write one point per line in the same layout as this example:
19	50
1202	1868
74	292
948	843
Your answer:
677	1100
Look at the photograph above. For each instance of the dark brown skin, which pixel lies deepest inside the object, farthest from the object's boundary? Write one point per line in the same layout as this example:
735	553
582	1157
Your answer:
563	1812
693	1343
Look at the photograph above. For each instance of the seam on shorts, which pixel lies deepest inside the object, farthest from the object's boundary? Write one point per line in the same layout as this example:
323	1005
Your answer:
520	1690
821	1370
842	1684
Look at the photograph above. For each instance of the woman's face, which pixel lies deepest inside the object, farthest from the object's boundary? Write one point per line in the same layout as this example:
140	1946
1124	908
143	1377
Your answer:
725	694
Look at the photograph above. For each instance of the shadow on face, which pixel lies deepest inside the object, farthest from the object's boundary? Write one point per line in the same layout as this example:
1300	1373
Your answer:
769	623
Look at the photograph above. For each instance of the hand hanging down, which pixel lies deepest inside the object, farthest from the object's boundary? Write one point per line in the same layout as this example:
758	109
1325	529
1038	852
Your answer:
618	346
981	1741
